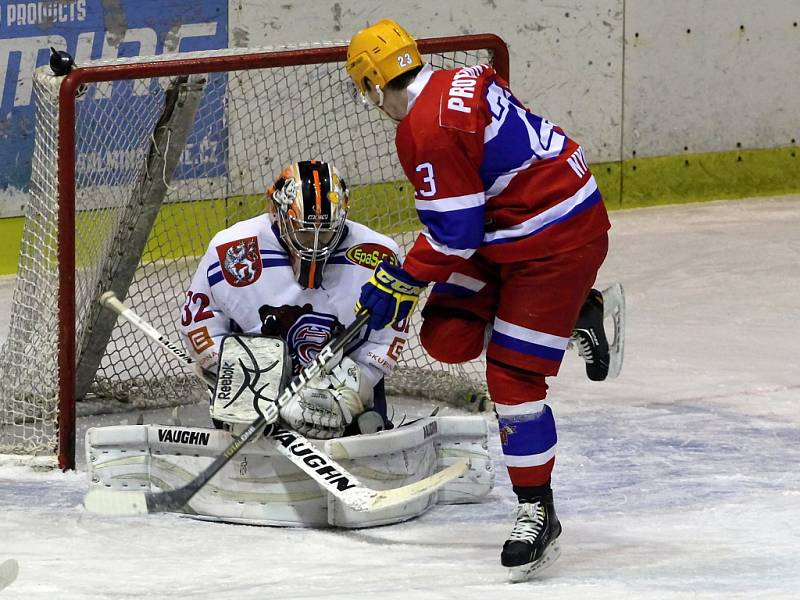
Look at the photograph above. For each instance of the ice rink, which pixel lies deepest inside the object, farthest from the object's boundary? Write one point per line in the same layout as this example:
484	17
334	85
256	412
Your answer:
680	479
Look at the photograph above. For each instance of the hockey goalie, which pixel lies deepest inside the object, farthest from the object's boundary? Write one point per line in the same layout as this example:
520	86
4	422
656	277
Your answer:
266	298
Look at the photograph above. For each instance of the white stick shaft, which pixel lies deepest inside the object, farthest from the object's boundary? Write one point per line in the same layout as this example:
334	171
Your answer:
110	300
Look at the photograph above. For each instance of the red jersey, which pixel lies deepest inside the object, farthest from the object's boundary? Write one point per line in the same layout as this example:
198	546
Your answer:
490	176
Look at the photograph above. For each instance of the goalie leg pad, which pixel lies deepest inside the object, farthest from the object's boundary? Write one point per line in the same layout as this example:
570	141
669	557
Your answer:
262	487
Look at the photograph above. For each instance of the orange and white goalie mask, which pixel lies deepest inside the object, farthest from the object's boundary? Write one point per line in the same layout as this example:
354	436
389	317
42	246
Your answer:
310	204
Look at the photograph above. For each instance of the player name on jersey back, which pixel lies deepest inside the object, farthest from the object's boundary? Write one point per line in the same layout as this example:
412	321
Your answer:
461	108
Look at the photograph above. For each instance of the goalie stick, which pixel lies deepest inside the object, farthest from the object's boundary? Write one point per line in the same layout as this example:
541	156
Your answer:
331	476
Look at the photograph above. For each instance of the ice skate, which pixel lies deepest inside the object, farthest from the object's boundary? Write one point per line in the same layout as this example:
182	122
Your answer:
532	545
590	337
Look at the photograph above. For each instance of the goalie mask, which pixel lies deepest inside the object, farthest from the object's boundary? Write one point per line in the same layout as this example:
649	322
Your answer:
309	204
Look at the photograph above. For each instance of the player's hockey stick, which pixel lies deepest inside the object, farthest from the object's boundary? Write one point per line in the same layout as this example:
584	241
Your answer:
322	469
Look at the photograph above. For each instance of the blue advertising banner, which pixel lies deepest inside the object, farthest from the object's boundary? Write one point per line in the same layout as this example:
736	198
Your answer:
93	29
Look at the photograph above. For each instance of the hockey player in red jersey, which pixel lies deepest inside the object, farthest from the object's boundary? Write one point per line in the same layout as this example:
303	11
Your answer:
515	231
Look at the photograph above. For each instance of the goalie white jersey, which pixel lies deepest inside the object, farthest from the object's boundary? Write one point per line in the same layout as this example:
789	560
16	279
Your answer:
244	283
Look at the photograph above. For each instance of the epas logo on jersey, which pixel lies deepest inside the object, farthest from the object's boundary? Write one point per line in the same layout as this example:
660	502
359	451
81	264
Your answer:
240	261
369	255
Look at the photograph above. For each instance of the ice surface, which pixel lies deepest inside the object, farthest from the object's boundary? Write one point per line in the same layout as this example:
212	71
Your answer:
681	479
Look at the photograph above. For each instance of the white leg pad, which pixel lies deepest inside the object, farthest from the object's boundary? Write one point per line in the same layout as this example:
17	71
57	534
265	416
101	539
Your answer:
261	487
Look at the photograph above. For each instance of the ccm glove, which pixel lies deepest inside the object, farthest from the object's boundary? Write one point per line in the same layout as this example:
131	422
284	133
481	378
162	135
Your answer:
390	295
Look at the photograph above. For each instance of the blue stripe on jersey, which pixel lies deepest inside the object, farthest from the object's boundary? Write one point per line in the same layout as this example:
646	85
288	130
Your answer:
451	289
215	278
274	262
526	436
339	260
461	229
508	150
528	348
590	201
536	122
520	136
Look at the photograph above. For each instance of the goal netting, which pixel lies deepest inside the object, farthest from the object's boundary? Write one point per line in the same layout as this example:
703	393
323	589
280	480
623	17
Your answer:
137	164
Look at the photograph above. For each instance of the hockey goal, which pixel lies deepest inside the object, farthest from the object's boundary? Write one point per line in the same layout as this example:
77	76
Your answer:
137	163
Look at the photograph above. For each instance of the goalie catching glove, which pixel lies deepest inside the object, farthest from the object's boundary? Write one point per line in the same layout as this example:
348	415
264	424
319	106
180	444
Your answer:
329	404
390	295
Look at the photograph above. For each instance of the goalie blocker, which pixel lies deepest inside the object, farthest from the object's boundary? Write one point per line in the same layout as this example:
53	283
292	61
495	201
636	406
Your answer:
262	487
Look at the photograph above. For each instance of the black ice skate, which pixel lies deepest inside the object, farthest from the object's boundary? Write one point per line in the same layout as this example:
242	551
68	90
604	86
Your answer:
590	337
533	543
603	358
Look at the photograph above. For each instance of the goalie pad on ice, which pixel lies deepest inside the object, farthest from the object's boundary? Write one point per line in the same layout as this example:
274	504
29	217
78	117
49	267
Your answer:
261	487
251	368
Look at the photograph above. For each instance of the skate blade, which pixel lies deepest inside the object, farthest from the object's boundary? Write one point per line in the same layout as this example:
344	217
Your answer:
614	308
526	572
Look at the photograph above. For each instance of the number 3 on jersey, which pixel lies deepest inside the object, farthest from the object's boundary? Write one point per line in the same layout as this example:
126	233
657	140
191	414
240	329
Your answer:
428	180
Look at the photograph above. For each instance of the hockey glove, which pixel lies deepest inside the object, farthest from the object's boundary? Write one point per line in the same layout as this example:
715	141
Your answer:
390	295
322	412
330	403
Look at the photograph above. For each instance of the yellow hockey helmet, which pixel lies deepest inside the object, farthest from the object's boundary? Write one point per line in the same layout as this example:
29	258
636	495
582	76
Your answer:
380	53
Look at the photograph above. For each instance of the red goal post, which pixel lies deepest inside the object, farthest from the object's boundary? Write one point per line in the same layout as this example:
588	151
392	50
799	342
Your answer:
74	187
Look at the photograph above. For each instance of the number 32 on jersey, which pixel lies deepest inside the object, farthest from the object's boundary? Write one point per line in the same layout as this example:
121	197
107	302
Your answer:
200	313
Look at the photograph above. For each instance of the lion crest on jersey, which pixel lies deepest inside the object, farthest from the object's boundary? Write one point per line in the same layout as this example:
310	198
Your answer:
240	261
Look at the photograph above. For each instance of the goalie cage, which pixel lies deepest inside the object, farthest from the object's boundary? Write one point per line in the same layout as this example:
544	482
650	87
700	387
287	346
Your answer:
155	155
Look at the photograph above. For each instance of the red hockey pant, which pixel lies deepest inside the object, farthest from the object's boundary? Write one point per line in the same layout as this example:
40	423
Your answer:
532	307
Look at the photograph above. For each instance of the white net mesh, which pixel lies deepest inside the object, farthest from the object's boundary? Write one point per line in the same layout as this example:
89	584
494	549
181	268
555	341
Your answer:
247	125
